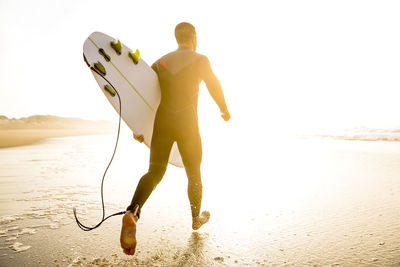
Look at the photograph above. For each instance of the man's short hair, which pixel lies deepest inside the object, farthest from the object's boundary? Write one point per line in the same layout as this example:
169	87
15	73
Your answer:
184	32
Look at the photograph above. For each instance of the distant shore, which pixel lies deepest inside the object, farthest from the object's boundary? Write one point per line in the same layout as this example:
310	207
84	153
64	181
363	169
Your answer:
26	131
22	137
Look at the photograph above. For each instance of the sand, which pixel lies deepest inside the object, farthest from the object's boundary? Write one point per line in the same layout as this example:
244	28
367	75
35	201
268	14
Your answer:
311	203
36	128
21	137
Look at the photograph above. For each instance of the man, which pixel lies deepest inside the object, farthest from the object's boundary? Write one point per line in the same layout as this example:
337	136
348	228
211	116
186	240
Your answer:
179	73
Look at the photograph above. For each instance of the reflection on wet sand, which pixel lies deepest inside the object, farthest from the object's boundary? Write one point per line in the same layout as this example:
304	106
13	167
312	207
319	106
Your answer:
194	254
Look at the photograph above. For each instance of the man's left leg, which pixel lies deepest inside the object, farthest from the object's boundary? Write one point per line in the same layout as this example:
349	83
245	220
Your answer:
160	148
146	185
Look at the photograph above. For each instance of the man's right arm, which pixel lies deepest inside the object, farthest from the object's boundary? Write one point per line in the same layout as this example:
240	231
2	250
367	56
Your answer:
213	86
154	67
140	137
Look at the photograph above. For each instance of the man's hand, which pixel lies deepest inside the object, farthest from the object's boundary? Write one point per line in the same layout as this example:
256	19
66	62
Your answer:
139	138
225	115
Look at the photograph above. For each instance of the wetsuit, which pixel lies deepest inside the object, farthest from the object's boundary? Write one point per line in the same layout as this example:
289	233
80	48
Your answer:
179	73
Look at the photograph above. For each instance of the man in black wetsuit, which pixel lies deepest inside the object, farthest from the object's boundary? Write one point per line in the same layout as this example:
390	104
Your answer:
180	73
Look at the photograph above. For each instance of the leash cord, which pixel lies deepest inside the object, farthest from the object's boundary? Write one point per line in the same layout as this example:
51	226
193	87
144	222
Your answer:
84	227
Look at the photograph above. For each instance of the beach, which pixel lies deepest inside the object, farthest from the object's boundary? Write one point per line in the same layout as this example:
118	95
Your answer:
21	137
306	202
33	129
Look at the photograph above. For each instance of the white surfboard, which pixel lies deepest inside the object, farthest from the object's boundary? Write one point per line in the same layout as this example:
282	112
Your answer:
136	83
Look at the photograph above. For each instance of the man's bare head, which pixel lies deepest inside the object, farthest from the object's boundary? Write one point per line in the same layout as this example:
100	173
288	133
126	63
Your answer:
185	35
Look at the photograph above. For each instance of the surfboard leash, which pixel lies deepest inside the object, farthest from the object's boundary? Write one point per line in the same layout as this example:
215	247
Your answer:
84	227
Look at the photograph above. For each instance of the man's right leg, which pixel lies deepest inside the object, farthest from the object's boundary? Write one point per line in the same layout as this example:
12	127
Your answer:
189	145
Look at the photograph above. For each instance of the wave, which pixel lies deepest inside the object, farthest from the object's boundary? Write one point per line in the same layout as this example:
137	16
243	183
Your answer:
358	134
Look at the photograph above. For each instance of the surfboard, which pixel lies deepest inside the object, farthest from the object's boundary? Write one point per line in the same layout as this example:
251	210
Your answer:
116	67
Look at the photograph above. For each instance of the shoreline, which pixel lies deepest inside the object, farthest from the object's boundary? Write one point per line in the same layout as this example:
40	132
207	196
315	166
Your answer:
21	137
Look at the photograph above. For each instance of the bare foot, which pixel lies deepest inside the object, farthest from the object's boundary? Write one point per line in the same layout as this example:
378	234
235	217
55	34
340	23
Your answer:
128	233
198	221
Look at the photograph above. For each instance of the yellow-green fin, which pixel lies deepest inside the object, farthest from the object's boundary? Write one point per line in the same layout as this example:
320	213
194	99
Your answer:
98	66
104	54
117	46
109	89
135	56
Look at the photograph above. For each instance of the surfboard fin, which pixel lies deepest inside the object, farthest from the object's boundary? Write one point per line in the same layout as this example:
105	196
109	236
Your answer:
135	56
104	54
109	89
117	46
98	66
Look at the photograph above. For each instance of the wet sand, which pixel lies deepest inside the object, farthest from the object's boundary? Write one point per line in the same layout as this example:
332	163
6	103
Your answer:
306	203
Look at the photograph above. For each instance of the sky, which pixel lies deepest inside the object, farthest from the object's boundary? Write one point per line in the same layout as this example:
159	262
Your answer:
282	64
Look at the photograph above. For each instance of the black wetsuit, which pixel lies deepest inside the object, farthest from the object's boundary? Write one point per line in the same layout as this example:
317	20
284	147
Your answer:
179	73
